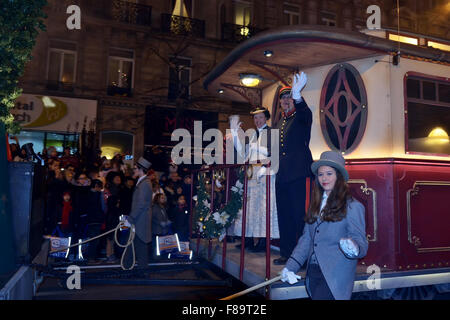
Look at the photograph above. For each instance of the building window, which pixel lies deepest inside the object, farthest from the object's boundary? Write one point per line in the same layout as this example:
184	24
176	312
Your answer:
120	72
291	14
183	8
403	38
427	114
243	16
43	140
438	45
61	66
223	15
131	11
242	13
328	19
179	77
117	142
343	108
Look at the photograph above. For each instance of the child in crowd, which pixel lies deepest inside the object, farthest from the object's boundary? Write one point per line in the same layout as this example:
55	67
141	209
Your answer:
180	214
66	213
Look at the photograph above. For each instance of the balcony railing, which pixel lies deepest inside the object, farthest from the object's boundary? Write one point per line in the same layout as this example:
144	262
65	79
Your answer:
237	33
132	13
119	91
59	86
182	26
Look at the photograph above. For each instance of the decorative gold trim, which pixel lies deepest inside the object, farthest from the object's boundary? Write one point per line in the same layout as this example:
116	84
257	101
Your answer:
413	192
366	190
437	249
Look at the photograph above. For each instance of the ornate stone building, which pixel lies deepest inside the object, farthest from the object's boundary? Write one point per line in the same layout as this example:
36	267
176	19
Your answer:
134	58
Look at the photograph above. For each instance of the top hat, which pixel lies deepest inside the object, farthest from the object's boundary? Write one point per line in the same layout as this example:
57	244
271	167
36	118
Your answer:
260	109
285	91
332	159
144	163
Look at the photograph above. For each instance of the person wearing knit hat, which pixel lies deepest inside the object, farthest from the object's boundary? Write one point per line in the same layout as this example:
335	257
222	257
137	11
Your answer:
334	237
294	164
258	152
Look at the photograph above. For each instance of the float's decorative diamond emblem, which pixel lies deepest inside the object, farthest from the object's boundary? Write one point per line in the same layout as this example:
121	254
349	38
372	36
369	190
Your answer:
343	108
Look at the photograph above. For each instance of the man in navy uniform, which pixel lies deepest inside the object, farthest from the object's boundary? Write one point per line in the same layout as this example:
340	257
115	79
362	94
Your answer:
294	165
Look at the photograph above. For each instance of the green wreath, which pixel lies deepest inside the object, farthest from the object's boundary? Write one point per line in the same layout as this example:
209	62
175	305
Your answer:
214	224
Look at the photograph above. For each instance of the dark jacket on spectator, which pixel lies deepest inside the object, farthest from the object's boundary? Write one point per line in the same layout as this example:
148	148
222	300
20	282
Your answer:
126	197
96	207
181	221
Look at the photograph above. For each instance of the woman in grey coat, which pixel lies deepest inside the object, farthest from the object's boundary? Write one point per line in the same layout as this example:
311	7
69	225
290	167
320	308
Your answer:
160	218
334	237
160	221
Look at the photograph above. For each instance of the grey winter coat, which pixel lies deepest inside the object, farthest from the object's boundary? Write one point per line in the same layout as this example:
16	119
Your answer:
141	210
322	236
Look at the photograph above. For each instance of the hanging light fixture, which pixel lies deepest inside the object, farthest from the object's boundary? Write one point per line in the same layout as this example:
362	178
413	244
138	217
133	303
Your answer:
268	53
438	135
250	79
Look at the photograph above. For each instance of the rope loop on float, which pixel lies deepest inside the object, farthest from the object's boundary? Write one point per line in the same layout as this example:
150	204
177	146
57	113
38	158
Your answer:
130	242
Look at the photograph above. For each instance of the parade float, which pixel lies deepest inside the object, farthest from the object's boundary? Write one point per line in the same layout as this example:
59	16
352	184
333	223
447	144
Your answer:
385	105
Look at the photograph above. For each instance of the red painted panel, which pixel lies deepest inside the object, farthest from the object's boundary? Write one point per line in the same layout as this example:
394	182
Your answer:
378	202
387	182
429	214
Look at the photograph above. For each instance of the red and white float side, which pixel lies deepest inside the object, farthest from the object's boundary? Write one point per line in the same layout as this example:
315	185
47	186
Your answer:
386	106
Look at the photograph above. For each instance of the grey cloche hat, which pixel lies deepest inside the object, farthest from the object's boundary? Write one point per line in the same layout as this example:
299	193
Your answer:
144	163
332	159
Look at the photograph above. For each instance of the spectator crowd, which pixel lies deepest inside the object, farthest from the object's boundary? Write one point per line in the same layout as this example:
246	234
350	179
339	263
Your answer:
87	198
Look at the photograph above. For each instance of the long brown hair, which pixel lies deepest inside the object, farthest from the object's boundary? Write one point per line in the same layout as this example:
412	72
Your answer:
157	200
336	207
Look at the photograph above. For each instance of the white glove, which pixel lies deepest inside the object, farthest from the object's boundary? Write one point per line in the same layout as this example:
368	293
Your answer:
235	124
349	247
125	221
262	172
289	276
298	82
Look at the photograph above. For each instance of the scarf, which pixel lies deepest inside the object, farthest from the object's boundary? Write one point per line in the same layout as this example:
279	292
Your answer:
67	209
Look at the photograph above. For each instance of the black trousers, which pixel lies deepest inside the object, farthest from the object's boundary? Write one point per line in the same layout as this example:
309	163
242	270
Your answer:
142	254
318	286
94	229
291	212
